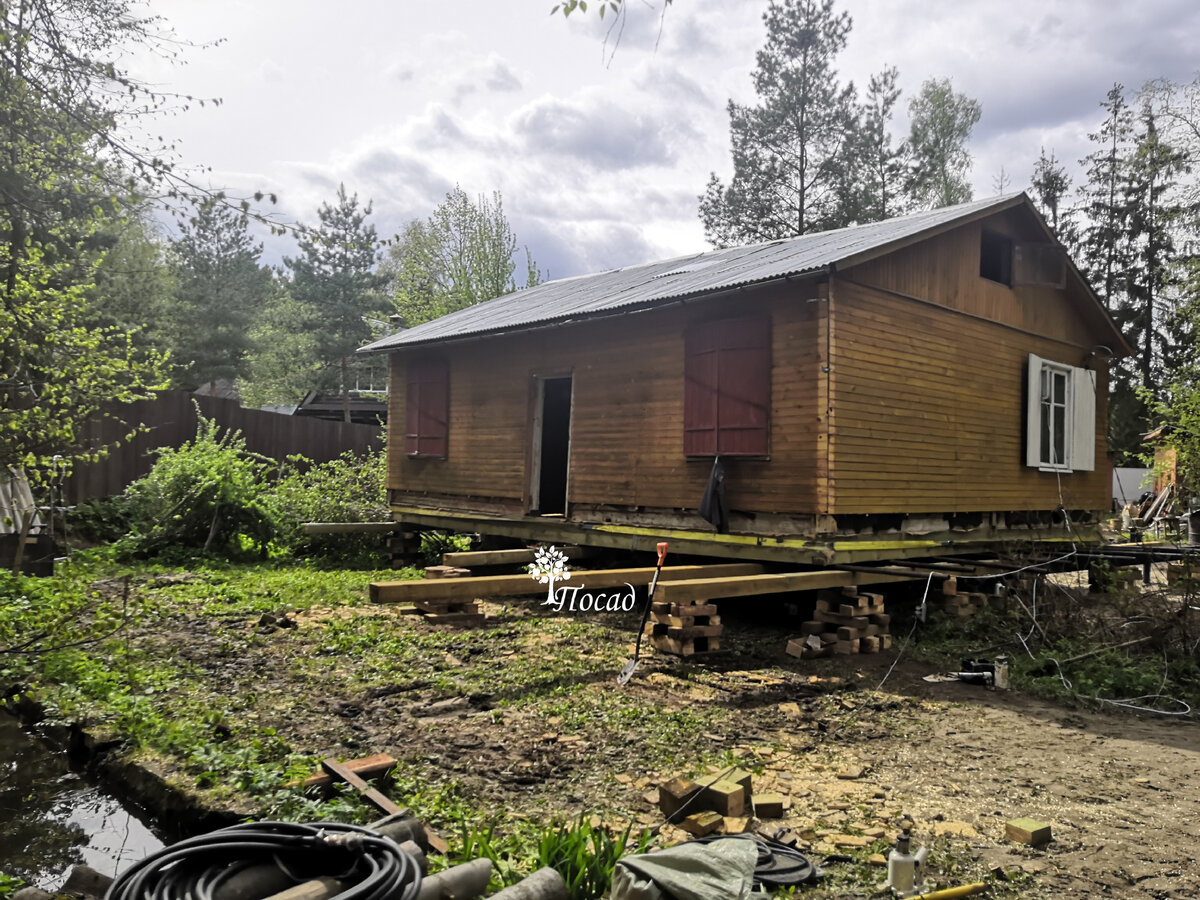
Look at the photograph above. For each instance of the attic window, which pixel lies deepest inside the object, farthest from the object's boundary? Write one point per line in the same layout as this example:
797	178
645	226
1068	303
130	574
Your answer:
426	408
727	387
996	257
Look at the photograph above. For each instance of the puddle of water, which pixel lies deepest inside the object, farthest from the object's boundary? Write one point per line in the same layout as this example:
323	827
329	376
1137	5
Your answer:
52	818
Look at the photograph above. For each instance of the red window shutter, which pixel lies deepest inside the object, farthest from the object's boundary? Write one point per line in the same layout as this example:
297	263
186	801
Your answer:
700	391
727	387
744	379
426	412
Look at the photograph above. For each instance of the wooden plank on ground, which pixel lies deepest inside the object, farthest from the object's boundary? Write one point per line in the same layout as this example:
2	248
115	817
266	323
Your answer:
368	767
468	559
337	769
695	590
519	585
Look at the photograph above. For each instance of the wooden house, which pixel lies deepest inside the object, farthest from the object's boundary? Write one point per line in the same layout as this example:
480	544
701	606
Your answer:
933	381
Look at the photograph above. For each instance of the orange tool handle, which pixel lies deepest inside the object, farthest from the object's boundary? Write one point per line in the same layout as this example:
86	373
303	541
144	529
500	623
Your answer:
662	551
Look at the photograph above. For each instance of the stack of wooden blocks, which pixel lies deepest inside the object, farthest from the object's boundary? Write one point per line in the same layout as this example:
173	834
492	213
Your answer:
684	628
845	621
445	612
722	800
949	600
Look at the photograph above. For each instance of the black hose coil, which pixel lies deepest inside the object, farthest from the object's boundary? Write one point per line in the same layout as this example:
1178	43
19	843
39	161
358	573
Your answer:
374	867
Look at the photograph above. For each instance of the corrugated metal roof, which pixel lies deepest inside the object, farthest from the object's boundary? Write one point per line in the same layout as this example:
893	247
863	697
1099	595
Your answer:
701	273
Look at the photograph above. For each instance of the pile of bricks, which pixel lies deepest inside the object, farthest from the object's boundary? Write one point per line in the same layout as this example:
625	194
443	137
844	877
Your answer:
723	800
844	621
684	628
950	601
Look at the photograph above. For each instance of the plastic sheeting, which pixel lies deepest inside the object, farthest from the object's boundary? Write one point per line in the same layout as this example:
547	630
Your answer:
723	870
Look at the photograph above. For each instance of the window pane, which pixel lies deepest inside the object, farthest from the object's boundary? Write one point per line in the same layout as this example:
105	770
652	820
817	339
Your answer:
1060	435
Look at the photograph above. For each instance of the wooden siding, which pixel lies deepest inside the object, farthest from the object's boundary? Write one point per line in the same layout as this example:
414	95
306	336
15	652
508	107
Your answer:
930	411
945	271
627	413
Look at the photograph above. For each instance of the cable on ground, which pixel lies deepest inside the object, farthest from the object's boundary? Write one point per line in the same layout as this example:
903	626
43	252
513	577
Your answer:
372	866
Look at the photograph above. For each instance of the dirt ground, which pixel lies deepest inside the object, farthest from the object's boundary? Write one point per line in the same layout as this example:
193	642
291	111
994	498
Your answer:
1120	791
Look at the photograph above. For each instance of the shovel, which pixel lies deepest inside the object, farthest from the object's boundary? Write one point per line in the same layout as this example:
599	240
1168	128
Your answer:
630	667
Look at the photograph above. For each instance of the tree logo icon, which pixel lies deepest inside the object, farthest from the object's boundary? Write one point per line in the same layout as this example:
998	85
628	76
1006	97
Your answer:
549	565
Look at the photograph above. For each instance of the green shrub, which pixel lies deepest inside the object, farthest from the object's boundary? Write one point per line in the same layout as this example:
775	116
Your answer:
347	489
206	496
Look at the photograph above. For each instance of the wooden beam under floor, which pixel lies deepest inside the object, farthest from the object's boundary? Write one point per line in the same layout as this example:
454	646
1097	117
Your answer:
521	585
698	590
470	559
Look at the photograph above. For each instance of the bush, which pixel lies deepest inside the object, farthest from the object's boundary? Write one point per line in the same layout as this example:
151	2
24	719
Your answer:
213	496
206	496
347	489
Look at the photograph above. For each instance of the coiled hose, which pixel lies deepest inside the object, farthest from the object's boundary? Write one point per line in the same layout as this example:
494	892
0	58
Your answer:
374	867
778	864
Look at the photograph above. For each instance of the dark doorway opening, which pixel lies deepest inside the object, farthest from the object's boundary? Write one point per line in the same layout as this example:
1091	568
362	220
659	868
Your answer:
553	447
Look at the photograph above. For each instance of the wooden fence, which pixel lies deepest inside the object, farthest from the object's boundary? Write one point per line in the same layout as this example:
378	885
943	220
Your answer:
169	420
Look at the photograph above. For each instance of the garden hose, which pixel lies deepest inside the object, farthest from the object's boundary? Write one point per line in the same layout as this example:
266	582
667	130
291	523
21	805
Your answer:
778	864
371	866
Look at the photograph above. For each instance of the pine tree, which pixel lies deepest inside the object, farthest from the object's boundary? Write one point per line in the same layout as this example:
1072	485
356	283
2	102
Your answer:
1154	215
1051	184
335	283
220	287
1103	251
790	149
878	166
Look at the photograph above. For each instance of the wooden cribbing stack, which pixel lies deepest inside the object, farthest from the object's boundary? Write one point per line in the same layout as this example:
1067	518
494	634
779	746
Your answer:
951	602
446	610
845	621
684	628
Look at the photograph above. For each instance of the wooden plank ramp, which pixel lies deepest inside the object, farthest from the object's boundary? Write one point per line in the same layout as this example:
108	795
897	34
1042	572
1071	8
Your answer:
522	585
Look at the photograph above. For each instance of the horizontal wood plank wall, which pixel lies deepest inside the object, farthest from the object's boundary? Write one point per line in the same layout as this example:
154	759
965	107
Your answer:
945	270
627	412
931	411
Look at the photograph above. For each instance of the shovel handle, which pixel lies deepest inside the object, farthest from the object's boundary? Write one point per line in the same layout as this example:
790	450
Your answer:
662	552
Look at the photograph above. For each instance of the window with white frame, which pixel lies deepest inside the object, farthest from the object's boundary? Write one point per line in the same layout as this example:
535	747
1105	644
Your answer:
1060	417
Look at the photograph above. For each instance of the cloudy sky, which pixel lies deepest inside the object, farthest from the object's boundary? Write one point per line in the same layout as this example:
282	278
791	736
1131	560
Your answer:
600	154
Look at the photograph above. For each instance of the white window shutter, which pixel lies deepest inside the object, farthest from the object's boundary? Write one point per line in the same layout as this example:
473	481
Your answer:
1083	420
1033	413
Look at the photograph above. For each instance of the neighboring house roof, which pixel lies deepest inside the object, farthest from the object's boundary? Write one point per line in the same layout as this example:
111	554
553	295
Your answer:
649	284
219	387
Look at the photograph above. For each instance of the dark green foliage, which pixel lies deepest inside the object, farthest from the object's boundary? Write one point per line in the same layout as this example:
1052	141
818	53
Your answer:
789	149
334	281
220	288
435	544
346	489
212	497
205	496
808	156
585	855
1050	186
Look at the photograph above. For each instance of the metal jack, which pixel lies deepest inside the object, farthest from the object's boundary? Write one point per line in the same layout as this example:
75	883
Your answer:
903	864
